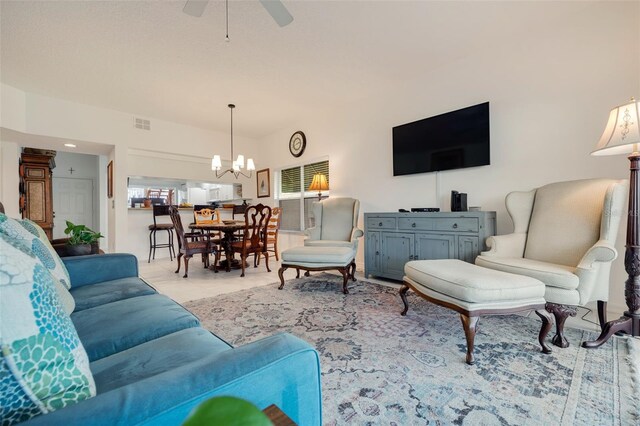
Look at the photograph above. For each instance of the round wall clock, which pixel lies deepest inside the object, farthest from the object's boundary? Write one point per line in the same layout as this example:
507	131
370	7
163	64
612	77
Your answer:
297	143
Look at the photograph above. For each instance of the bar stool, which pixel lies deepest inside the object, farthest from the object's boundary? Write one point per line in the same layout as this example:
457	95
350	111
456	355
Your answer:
160	210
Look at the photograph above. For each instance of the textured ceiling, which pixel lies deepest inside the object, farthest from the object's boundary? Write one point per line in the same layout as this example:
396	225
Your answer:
150	59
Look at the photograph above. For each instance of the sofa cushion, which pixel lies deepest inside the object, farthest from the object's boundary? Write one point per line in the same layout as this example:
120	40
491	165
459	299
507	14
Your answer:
115	327
43	366
90	296
154	357
34	237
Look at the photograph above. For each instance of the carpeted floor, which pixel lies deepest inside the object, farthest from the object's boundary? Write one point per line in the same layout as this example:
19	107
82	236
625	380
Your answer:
381	368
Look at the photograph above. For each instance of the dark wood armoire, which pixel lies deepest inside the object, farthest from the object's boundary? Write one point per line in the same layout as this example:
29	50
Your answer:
36	191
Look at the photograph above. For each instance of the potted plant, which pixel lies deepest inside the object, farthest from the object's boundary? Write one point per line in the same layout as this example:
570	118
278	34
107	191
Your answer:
82	240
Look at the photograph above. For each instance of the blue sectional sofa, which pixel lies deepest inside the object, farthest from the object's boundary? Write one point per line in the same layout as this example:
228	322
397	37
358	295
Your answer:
152	362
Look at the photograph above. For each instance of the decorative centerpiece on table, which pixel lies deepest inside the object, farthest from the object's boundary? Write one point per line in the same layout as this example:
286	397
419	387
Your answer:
82	240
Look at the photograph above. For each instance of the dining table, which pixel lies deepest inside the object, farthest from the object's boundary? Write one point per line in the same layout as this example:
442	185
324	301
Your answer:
228	229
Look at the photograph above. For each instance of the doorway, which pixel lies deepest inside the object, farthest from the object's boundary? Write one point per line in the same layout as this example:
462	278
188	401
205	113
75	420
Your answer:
73	201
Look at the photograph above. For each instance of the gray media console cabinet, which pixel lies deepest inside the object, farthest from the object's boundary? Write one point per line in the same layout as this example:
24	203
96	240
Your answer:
393	239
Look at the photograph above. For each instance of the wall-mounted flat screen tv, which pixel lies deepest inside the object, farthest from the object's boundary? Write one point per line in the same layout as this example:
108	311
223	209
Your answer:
452	140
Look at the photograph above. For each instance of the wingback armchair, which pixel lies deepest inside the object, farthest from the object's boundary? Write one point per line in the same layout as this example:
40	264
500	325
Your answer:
564	235
336	223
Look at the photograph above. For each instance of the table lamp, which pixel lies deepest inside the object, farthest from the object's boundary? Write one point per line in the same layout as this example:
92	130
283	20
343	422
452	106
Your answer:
622	136
319	183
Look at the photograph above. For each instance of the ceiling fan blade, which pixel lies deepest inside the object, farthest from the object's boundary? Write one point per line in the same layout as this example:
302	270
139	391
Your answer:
278	12
195	7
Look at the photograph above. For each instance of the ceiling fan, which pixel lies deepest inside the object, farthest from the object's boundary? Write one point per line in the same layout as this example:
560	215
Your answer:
276	9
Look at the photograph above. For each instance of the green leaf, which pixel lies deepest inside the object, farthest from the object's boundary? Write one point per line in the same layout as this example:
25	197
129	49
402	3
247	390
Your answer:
228	411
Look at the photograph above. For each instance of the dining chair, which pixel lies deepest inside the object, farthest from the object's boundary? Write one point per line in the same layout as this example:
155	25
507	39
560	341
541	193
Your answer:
204	214
160	210
254	237
190	243
272	232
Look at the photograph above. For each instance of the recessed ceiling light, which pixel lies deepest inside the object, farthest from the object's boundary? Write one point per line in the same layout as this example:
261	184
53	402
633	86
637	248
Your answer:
70	145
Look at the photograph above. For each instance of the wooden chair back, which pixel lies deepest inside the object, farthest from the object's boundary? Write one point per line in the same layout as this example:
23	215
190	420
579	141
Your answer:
255	228
274	225
177	225
206	216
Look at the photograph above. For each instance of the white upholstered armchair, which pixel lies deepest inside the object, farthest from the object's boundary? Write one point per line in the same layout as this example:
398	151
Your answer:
336	223
564	235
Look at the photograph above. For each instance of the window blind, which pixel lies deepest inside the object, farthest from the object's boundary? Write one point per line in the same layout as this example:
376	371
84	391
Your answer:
290	180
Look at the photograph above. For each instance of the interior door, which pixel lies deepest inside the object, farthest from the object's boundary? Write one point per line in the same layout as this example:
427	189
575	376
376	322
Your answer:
73	201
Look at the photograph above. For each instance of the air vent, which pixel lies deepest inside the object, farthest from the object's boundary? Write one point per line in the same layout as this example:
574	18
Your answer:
141	123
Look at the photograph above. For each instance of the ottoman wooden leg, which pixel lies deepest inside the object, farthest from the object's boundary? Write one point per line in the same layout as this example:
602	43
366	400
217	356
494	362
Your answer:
469	324
281	275
297	273
403	296
547	322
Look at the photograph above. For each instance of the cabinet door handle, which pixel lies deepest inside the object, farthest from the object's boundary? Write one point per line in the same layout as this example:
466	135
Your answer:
413	225
380	224
411	257
455	226
377	253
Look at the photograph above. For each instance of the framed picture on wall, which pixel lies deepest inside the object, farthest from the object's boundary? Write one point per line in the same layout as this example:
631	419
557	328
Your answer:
110	179
263	184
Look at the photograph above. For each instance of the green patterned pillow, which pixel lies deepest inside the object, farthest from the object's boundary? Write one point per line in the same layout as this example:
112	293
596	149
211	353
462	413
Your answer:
43	365
33	236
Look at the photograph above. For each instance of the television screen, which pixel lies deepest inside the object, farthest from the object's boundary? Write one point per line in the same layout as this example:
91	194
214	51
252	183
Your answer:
447	141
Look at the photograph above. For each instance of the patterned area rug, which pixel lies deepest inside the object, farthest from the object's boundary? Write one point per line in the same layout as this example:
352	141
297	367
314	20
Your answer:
381	368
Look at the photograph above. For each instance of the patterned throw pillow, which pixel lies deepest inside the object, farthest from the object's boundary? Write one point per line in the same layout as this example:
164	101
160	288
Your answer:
33	236
43	365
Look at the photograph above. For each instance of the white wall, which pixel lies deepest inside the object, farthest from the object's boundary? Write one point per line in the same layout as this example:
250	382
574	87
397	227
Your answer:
135	152
9	177
550	98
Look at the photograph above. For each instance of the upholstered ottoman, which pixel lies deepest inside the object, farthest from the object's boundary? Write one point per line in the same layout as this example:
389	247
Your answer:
320	258
473	291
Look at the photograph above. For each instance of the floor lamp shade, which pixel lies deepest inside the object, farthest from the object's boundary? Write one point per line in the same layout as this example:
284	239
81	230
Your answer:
622	136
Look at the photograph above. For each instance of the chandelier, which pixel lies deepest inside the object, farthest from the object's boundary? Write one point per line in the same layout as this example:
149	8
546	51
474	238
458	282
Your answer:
237	165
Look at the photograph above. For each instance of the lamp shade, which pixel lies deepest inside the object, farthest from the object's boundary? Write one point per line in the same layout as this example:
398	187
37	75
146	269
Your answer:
250	165
216	163
622	134
319	183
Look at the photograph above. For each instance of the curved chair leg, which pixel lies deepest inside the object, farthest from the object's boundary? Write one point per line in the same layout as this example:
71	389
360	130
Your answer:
275	248
154	245
353	271
150	246
179	256
297	273
307	274
186	266
602	313
243	260
561	313
169	242
345	279
470	325
256	259
403	296
266	261
281	275
547	322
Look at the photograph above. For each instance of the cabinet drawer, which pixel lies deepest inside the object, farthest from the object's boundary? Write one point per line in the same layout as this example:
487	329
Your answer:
381	223
460	224
416	223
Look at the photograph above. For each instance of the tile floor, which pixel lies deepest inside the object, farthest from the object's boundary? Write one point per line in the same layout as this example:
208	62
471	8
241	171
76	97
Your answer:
203	283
